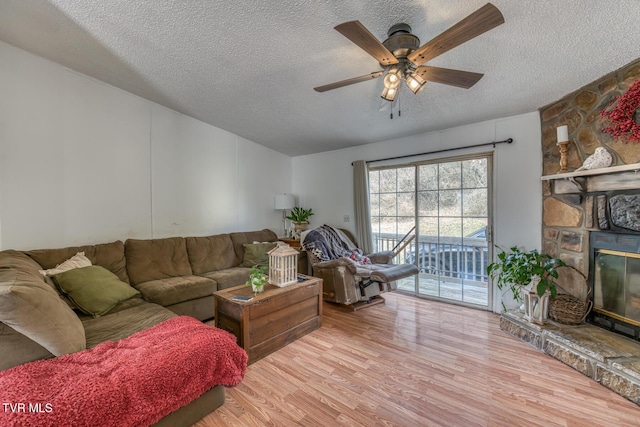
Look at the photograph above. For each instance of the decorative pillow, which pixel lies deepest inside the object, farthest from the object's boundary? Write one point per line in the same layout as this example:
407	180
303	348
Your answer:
49	281
256	253
35	310
76	261
94	289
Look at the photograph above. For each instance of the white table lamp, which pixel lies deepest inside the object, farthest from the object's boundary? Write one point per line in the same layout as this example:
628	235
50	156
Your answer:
284	202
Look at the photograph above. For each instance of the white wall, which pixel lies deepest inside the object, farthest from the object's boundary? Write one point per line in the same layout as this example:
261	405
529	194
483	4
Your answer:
82	162
324	181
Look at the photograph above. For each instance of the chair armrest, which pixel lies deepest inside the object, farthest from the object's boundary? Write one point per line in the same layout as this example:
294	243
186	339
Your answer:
384	257
340	262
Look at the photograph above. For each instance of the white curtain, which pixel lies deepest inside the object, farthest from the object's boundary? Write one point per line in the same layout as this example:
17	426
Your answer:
361	205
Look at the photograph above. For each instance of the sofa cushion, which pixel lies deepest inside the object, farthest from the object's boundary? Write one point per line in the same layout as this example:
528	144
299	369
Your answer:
31	307
256	253
210	253
200	308
27	265
173	290
126	318
18	260
156	259
107	255
17	349
230	277
241	238
94	289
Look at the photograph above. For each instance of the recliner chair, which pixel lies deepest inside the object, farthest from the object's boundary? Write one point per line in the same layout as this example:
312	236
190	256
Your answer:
349	277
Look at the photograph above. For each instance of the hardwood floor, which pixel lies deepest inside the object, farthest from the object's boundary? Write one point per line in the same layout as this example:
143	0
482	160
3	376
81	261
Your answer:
413	362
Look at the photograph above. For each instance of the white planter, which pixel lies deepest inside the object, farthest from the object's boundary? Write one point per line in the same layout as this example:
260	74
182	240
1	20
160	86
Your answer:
257	285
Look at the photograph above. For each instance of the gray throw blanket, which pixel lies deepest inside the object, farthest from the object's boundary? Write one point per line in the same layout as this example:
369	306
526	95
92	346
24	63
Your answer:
327	243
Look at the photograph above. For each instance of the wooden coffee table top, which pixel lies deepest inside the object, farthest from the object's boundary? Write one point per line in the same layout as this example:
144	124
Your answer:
269	291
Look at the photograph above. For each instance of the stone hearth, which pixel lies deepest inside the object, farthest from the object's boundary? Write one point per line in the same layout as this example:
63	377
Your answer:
608	358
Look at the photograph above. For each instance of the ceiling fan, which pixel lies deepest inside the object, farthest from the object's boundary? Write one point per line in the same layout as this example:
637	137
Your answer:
402	57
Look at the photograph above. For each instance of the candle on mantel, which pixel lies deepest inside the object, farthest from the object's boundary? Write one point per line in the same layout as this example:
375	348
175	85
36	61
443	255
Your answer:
563	133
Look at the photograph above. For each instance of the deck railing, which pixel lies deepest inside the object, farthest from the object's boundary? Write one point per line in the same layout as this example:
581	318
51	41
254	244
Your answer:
454	257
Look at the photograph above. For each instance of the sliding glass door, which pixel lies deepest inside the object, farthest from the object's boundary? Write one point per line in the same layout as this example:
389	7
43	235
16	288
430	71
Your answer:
393	205
448	202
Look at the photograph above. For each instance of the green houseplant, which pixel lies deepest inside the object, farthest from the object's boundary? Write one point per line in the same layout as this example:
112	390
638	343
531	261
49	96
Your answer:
300	218
300	215
516	268
257	278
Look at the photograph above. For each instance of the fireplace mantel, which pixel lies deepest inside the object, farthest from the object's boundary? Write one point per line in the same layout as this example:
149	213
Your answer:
614	178
635	167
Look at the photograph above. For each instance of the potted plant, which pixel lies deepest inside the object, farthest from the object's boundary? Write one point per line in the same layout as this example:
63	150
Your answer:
257	278
300	218
515	269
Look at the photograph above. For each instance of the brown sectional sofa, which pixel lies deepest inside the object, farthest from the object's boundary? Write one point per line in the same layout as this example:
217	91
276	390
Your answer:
182	273
175	276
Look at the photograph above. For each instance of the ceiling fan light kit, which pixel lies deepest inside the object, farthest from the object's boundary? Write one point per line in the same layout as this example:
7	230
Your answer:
391	82
392	79
389	93
401	56
415	82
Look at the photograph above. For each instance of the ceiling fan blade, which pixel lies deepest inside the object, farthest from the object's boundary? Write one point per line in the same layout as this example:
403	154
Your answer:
358	33
348	82
458	78
479	22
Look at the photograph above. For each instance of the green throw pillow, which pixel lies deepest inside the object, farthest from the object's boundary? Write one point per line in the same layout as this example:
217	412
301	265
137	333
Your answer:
256	253
94	290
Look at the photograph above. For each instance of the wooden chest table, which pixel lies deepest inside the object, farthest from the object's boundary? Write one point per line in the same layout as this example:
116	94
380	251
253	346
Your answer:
273	318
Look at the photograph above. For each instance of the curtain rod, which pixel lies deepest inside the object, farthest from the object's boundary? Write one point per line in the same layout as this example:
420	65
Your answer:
494	143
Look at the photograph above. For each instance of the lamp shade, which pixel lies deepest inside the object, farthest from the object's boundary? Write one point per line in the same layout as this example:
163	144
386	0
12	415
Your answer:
284	202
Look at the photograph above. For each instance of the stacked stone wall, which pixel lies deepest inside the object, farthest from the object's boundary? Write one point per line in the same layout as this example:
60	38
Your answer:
570	213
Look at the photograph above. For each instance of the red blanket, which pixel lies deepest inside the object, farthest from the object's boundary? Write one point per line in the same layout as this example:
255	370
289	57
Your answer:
132	382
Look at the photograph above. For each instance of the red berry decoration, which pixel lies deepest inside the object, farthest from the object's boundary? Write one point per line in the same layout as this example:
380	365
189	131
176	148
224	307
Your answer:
620	115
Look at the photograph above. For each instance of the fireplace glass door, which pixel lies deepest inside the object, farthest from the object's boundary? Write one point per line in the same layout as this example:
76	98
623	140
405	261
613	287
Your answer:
617	285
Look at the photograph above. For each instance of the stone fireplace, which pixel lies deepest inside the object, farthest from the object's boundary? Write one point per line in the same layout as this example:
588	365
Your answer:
591	220
604	241
603	202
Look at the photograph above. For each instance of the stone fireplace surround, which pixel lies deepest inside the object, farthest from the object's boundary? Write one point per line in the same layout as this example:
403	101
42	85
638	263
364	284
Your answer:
577	204
606	202
574	205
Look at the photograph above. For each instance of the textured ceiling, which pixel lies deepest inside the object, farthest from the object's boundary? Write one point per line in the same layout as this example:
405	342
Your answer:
250	67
